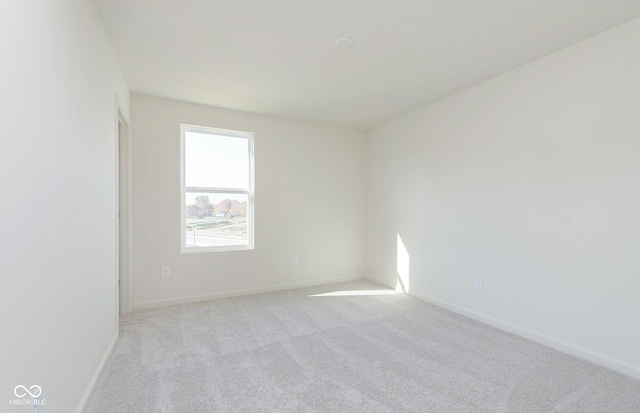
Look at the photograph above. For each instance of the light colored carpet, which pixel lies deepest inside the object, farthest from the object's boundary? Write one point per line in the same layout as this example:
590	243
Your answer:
295	351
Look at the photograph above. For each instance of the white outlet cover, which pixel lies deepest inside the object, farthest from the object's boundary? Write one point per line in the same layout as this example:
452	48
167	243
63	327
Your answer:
478	282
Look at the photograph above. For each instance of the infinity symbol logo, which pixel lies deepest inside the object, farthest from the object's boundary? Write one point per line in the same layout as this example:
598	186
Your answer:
22	391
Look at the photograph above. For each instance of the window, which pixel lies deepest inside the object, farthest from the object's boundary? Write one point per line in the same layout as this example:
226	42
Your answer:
217	189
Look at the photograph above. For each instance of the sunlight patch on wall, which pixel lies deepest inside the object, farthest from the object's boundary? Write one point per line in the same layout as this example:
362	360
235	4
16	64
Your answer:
402	266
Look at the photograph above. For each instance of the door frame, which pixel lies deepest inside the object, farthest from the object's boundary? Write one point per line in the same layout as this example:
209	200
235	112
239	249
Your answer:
124	253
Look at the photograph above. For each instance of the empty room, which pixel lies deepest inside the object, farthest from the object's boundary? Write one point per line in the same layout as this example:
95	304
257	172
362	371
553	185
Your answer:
331	206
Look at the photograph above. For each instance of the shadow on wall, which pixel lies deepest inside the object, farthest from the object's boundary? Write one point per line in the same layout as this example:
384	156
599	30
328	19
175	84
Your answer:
402	266
402	281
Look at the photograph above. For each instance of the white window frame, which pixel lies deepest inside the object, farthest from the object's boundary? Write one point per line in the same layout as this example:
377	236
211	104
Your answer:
245	191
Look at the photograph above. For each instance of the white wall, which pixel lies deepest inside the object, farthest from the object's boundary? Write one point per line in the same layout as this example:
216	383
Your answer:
531	180
57	173
309	191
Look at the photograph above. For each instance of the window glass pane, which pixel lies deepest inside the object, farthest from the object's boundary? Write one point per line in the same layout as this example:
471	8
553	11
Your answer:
216	161
216	219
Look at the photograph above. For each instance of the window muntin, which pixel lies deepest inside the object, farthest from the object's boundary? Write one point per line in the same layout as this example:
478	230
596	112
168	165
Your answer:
217	189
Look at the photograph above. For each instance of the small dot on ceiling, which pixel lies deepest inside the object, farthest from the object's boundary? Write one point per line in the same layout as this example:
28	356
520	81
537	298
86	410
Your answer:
344	43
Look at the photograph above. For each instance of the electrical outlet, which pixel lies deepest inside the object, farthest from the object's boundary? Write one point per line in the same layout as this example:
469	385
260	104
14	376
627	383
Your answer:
294	261
478	283
166	272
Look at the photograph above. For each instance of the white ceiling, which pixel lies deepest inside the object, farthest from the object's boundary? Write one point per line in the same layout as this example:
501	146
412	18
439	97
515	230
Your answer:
277	57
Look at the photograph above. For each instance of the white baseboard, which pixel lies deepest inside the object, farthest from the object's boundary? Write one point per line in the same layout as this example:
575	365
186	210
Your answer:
559	345
236	293
84	403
